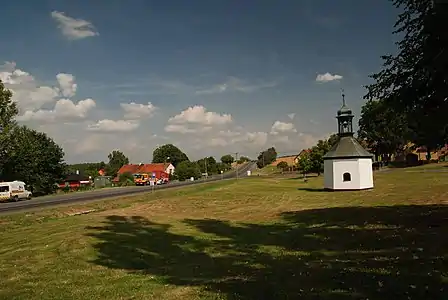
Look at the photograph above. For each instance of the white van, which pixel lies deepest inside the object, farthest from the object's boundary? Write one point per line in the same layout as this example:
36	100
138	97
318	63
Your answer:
13	190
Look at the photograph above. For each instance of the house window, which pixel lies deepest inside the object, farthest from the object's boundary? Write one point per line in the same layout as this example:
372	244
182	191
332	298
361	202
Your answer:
347	177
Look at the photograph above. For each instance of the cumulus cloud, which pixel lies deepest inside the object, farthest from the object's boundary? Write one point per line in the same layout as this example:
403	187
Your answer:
64	110
282	127
34	99
67	84
198	114
327	77
110	126
74	29
26	91
137	110
291	116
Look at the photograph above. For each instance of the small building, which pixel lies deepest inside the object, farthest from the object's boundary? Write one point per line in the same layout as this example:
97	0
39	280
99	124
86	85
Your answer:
347	166
75	181
102	181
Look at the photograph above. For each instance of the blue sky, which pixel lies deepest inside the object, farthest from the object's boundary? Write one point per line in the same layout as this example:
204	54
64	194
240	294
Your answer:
257	61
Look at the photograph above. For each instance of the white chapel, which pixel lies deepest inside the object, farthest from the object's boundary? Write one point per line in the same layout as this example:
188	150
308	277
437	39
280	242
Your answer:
347	166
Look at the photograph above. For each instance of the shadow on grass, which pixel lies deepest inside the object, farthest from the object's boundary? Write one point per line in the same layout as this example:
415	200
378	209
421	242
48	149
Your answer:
335	253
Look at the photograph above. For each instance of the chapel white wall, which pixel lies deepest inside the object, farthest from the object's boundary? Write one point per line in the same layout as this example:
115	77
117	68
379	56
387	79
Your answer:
366	173
360	170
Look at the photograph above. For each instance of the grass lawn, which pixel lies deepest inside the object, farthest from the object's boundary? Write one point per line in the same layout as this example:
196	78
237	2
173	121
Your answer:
257	238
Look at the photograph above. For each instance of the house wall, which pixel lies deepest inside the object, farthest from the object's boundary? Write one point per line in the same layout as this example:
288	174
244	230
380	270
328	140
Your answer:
290	160
360	171
170	169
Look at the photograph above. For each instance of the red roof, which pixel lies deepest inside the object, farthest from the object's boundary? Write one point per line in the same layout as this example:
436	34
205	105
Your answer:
144	168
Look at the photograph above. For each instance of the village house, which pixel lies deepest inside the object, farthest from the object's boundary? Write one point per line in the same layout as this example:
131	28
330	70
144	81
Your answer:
75	181
291	160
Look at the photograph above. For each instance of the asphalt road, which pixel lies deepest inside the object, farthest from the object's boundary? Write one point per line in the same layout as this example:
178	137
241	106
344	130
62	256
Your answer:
73	198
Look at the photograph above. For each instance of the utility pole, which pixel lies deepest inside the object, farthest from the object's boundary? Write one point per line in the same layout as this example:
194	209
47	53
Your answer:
236	159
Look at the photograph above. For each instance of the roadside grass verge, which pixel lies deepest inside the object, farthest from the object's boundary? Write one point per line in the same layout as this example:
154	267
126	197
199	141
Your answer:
256	238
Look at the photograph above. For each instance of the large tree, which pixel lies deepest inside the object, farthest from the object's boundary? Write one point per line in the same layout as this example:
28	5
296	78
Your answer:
227	159
414	81
383	129
33	157
117	159
208	165
186	169
26	154
266	157
169	153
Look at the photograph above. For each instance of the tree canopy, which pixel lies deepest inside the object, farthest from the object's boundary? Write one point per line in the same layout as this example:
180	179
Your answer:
186	169
243	159
266	157
208	165
227	159
87	169
117	159
383	129
413	81
169	153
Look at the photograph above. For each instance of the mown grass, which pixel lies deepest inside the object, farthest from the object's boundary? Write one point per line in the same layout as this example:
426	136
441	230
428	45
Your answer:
257	238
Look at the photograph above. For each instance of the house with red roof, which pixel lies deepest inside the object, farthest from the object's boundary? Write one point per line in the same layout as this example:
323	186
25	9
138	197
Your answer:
160	170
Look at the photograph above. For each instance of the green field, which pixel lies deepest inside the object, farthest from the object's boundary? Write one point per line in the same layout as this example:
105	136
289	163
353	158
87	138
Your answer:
256	238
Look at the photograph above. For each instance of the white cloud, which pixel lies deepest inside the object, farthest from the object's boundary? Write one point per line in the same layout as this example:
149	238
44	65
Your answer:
291	116
26	90
257	138
327	77
67	84
64	110
137	110
234	84
35	100
198	114
282	127
74	29
109	126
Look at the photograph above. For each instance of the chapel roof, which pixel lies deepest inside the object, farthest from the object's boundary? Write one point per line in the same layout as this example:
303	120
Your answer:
347	147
